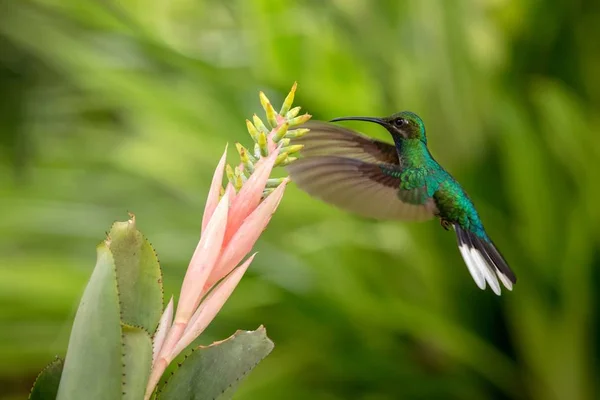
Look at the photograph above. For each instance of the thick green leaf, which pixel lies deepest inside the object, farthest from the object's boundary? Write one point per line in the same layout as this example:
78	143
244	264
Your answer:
137	361
139	276
45	386
213	372
93	366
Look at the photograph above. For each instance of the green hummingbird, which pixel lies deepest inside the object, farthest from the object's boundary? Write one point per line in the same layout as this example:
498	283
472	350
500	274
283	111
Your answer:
402	181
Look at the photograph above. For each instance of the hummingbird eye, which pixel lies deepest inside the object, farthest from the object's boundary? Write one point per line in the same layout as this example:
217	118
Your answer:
400	122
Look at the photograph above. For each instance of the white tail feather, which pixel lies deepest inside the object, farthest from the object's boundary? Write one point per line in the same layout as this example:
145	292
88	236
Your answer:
481	265
476	273
487	270
507	283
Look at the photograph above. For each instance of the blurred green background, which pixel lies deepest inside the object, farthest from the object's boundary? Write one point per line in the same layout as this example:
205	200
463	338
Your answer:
115	106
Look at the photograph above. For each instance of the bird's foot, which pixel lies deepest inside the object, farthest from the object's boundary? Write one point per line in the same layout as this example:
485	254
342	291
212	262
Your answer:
445	224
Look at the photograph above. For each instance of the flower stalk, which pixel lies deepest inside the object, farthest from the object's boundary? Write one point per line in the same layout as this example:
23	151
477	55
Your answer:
234	217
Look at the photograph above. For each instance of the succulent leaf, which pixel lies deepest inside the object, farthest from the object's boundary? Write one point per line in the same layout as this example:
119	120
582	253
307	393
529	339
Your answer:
93	366
138	274
137	361
46	384
213	372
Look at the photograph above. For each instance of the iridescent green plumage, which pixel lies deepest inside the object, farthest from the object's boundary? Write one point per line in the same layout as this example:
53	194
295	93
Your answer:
401	181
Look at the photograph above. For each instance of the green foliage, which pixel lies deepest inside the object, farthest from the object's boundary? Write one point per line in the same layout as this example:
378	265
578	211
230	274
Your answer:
45	386
139	278
115	106
109	359
94	366
226	362
137	361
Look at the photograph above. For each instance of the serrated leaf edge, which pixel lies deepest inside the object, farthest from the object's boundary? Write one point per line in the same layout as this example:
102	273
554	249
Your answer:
200	347
161	279
141	328
50	364
132	222
107	244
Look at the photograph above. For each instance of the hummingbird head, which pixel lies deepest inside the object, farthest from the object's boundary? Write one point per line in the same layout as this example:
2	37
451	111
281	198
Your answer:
404	125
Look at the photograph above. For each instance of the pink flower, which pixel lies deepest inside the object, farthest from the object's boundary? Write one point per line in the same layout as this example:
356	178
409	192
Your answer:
230	227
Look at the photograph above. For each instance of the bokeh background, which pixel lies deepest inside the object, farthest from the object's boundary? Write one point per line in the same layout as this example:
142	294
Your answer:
115	106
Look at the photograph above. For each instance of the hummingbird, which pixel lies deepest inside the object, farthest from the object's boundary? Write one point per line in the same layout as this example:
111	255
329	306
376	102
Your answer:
400	181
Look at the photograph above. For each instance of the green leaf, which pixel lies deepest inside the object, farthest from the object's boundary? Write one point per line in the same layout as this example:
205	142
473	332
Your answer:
138	275
45	386
137	361
213	372
93	365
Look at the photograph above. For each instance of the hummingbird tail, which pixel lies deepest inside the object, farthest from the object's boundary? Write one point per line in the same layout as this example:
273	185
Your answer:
484	261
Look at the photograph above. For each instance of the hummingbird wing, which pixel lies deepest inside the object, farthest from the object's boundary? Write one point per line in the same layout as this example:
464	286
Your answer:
356	173
358	186
325	139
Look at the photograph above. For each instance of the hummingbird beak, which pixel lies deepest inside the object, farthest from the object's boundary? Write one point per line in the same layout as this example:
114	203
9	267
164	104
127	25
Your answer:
368	119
